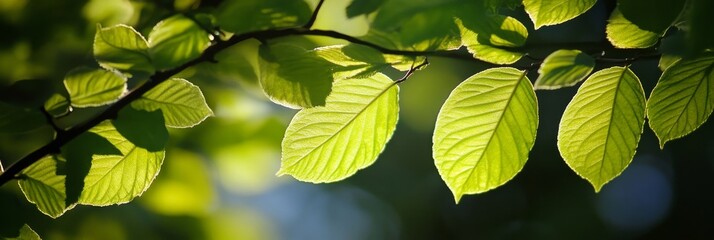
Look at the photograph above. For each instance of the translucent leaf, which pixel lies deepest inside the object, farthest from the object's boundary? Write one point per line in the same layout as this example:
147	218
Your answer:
25	233
485	130
486	36
666	61
294	77
57	105
43	186
601	126
651	15
14	119
330	143
624	34
93	87
356	61
117	179
552	12
181	103
175	41
241	16
683	98
122	48
564	68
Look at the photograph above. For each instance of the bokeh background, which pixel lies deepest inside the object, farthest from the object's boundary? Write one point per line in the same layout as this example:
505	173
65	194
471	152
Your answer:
218	180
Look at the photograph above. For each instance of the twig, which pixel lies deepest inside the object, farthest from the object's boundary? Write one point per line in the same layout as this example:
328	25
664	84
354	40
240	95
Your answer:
413	69
313	17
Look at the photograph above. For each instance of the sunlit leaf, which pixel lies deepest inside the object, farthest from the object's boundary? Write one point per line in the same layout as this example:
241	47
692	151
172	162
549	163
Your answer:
175	41
683	98
122	48
294	77
601	126
651	15
43	186
25	233
330	143
117	179
488	36
485	130
624	34
14	119
57	105
552	12
356	61
493	54
93	87
241	16
564	68
181	102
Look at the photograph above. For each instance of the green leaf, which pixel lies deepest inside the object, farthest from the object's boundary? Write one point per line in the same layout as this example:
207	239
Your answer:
362	7
356	61
175	41
624	34
241	16
26	233
93	87
666	61
564	68
117	179
486	35
683	98
552	12
294	77
122	48
330	143
181	103
651	15
601	126
44	187
485	130
14	119
57	105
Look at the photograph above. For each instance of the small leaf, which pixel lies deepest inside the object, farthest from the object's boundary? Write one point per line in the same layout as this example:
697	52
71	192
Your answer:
486	36
117	179
601	126
651	15
666	61
362	7
44	187
493	54
330	143
57	105
14	119
624	34
356	61
181	103
552	12
25	233
564	68
683	99
122	48
93	87
241	16
485	130
175	41
294	77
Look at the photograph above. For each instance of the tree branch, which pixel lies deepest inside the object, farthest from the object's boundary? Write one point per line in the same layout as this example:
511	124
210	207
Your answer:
209	55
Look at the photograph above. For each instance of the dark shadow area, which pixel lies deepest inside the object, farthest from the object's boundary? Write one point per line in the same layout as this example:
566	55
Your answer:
143	129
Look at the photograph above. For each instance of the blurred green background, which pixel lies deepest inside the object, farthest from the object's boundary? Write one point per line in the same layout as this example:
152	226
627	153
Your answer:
218	180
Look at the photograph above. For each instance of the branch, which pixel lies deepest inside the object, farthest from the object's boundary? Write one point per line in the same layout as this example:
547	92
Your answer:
312	19
208	56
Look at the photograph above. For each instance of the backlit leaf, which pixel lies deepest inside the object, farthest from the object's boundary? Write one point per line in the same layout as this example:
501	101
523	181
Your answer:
43	186
485	130
26	233
683	98
624	34
601	126
564	68
356	61
122	48
488	36
241	16
93	87
175	41
552	12
57	105
181	102
330	143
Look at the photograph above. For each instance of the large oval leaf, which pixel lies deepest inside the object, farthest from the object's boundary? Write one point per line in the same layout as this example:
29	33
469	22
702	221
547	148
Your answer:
683	98
564	68
601	126
93	87
624	34
330	143
181	102
44	187
485	130
552	12
122	48
175	41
